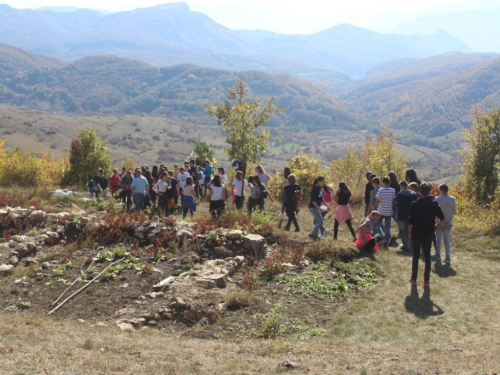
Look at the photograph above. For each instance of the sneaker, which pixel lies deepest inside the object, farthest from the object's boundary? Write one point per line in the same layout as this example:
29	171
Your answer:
435	258
447	262
325	233
287	228
427	282
382	243
413	281
314	238
297	229
389	242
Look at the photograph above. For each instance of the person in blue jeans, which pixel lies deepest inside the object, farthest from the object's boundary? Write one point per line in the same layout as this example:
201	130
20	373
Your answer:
449	208
314	206
140	188
423	213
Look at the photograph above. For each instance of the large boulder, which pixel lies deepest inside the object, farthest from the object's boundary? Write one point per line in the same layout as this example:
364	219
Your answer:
222	252
254	242
6	269
37	217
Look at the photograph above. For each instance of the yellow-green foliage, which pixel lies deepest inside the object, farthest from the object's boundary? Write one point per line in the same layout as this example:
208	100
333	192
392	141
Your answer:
129	164
306	168
349	169
26	169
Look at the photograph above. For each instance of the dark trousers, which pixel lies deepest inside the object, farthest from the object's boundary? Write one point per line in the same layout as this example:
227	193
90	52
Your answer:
163	205
217	207
239	201
349	225
425	244
370	245
197	190
127	198
254	203
290	212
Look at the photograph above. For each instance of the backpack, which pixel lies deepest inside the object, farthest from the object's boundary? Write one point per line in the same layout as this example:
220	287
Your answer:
297	195
263	193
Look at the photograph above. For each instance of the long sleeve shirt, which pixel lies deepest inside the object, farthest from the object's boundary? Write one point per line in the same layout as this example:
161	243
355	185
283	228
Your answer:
423	213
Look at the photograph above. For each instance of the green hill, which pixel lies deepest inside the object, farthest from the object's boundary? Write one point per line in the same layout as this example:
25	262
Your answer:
105	84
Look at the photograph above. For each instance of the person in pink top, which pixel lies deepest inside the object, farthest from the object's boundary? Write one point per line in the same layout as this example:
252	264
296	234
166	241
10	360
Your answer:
343	212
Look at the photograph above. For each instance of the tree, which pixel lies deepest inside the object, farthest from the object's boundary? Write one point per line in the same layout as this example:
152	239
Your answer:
201	153
244	123
483	156
349	169
381	155
87	153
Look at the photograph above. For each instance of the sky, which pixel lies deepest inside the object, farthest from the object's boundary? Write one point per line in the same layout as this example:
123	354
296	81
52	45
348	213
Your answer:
288	16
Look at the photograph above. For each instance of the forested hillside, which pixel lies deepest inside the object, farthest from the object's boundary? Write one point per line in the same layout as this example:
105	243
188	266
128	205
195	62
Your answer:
106	84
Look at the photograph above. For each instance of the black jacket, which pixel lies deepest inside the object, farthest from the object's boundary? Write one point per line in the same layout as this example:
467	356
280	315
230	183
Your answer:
423	213
368	189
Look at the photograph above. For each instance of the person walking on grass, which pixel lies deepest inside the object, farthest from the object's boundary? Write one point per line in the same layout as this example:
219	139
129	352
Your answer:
140	189
161	188
385	197
422	225
261	174
373	206
395	185
286	173
207	172
404	199
217	193
449	208
126	186
101	182
250	201
181	178
174	185
114	181
259	194
366	240
293	195
343	212
315	203
239	185
189	201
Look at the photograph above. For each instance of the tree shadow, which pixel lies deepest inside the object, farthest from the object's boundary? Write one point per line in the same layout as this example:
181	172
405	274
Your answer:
444	270
422	307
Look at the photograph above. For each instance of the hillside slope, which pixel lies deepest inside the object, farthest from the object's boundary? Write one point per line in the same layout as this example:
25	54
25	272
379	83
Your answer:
431	102
106	84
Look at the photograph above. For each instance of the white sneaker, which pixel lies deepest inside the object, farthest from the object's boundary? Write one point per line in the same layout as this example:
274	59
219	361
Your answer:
281	214
325	233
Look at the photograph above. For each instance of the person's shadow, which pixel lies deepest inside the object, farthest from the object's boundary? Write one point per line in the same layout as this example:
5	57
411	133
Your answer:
443	270
422	307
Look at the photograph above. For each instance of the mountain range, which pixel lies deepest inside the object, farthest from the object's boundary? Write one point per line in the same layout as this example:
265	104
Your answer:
172	34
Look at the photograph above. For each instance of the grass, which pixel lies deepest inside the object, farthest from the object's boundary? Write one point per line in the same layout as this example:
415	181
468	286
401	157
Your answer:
390	328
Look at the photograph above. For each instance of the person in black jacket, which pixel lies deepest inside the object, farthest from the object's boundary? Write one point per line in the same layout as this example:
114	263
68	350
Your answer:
368	189
423	213
403	202
101	182
293	195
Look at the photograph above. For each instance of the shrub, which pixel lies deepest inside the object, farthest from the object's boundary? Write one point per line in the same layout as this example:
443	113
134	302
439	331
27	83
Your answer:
238	299
320	251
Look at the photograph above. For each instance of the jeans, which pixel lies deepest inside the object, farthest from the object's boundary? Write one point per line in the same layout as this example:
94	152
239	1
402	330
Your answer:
425	244
139	201
404	234
386	233
318	221
443	234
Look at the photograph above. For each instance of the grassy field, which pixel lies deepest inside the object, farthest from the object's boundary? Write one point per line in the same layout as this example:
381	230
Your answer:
392	328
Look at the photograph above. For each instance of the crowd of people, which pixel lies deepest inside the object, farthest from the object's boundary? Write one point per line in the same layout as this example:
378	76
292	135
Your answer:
421	217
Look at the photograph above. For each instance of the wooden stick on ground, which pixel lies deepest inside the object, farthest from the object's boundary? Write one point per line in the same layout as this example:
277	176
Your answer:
71	286
83	287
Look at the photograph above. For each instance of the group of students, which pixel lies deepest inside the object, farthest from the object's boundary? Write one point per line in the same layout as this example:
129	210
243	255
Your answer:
188	183
422	218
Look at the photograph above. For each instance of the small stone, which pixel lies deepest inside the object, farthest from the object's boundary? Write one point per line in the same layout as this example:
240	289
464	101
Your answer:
234	235
289	364
13	260
223	252
125	327
152	323
154	295
6	269
136	322
30	261
120	312
207	284
239	260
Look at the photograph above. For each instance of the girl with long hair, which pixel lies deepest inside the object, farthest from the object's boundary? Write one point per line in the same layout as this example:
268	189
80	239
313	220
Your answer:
189	201
217	193
343	212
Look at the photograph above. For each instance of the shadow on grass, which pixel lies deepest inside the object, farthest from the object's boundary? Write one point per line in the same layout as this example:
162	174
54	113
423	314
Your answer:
443	271
404	253
422	307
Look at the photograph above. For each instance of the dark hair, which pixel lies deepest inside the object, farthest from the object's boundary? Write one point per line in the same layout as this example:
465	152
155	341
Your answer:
154	172
189	181
413	185
375	213
343	187
170	173
403	183
149	177
207	161
376	180
239	175
386	180
369	175
411	176
286	172
425	188
100	170
250	179
221	169
191	161
216	181
292	179
319	179
256	179
394	179
163	174
443	188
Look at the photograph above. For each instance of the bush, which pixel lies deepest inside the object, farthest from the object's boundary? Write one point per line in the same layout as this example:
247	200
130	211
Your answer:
21	168
238	299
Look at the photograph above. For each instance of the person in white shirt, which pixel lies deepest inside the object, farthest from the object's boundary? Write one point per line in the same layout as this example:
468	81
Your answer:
261	173
160	188
449	208
222	175
218	197
181	179
239	185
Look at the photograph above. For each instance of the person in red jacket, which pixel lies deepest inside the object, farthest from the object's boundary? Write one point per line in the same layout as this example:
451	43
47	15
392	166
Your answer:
114	181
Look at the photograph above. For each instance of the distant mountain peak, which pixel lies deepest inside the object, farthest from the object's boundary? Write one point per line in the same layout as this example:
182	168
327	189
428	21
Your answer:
180	6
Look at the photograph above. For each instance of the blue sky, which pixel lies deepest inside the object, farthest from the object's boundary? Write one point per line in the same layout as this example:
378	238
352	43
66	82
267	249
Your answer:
289	16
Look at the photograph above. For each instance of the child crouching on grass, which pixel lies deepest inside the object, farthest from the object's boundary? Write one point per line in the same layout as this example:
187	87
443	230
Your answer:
366	240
